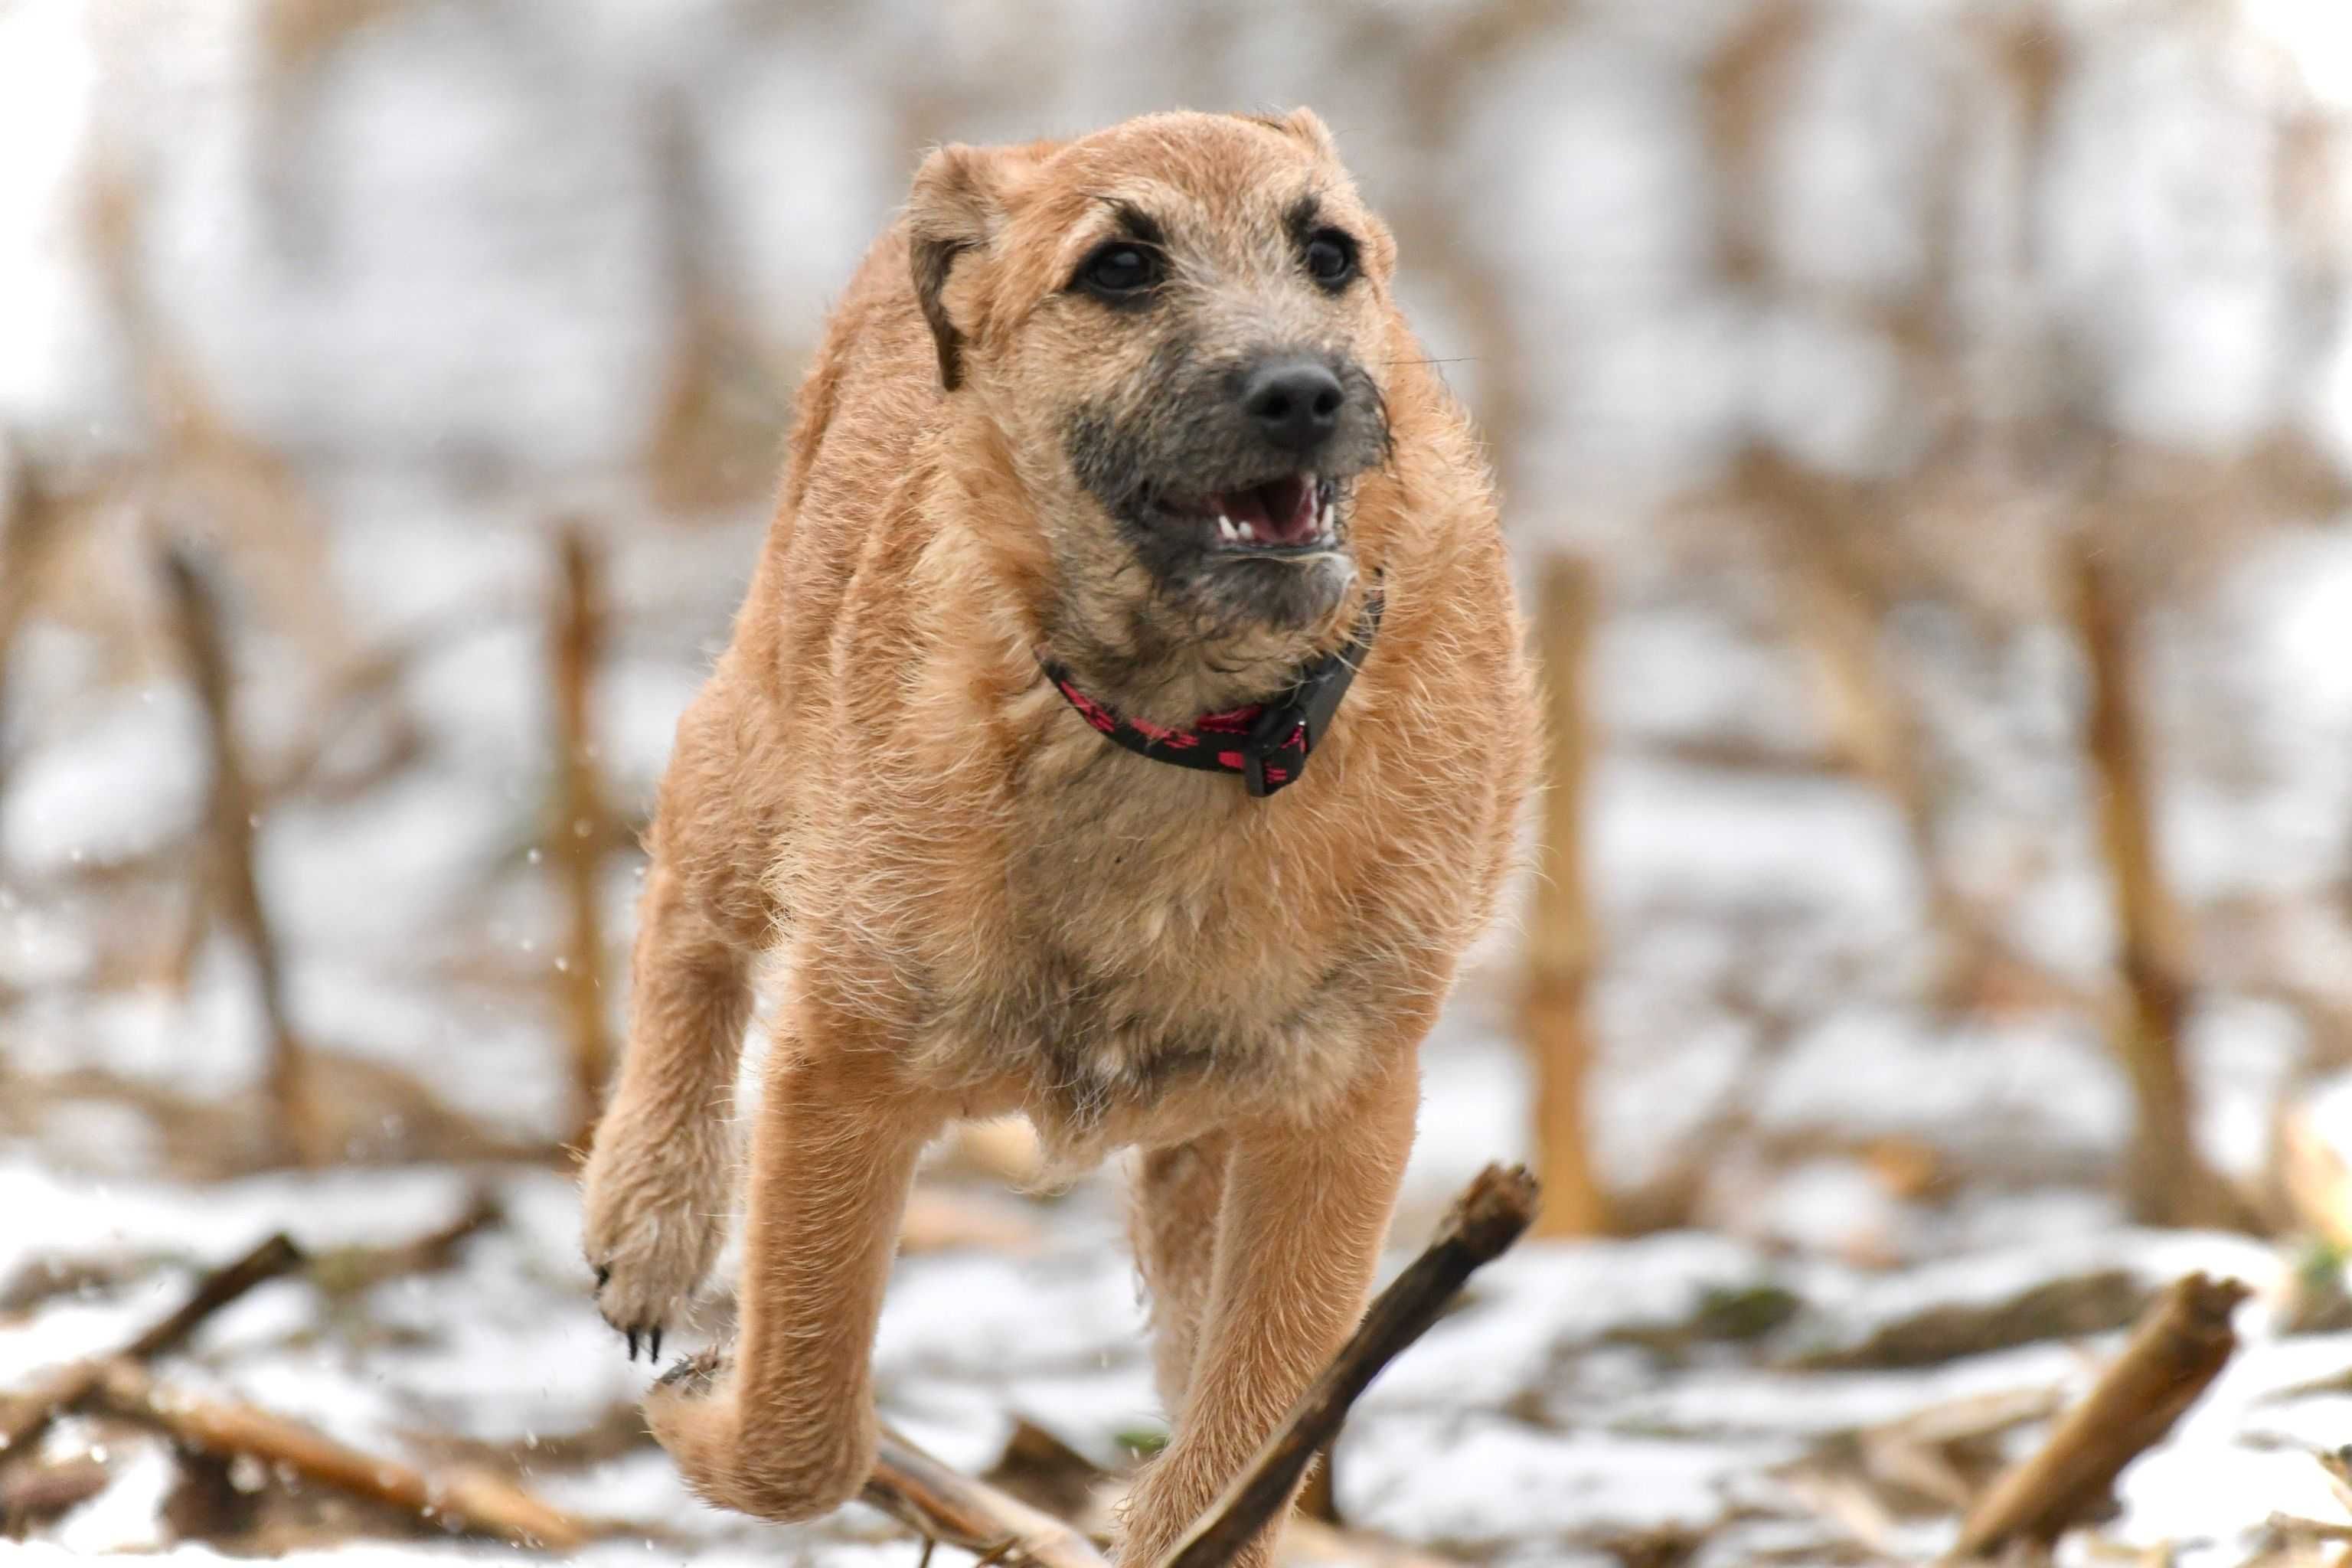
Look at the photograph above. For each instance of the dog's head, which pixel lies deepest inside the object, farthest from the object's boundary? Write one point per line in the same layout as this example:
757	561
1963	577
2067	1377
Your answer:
1179	327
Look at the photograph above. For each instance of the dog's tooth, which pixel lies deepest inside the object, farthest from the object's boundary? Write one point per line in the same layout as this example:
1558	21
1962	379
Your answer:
1225	527
1249	534
1330	512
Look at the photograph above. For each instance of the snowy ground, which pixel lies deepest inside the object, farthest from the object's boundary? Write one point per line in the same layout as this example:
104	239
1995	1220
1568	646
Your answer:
1865	1162
1586	1399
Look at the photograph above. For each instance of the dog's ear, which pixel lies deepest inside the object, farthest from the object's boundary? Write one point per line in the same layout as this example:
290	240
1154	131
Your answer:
1305	124
955	206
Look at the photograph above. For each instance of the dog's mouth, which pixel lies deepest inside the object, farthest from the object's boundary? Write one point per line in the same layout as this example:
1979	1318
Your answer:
1294	514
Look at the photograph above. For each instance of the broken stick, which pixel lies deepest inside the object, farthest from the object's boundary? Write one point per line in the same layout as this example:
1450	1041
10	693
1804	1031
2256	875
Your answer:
1562	936
2166	1181
1492	1213
232	814
470	1501
582	827
2179	1347
943	1504
1039	1460
28	521
350	1269
51	1491
25	1415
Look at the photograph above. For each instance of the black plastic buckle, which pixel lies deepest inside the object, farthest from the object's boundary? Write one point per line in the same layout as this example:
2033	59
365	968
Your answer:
1306	710
1268	737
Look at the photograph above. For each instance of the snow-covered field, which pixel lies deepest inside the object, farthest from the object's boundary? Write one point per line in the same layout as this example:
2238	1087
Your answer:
1587	1397
412	275
1590	1401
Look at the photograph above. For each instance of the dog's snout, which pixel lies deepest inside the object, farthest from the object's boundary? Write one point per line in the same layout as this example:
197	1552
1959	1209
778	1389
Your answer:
1295	404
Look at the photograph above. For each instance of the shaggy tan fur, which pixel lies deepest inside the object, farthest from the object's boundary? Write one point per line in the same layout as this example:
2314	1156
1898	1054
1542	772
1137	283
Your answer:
980	905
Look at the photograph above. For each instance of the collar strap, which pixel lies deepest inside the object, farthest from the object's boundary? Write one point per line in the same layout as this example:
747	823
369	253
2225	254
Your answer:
1266	742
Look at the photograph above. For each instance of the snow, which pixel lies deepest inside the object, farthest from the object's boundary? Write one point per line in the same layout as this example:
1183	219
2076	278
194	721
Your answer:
67	807
1463	1479
59	369
507	1349
124	1518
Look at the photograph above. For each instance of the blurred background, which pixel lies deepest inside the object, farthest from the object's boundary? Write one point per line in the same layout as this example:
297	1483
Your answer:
1926	437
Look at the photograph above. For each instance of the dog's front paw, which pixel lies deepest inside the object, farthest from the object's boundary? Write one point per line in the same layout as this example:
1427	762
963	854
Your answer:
651	1226
694	1412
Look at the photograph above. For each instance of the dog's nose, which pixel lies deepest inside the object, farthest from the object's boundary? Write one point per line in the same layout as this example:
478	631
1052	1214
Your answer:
1293	403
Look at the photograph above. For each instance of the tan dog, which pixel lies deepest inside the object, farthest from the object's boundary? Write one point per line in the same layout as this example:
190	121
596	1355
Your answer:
1139	409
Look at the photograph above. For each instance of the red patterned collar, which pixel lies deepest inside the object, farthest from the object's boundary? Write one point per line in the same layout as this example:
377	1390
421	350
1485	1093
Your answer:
1266	742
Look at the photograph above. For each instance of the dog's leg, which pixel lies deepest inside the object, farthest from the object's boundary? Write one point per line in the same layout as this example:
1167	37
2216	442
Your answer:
1299	1236
1178	1194
658	1185
787	1431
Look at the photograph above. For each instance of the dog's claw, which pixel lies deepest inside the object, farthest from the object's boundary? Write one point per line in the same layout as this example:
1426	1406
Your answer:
603	1277
633	1344
654	1350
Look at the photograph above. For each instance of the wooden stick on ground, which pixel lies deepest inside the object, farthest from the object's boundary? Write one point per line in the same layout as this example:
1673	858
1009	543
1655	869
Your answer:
26	523
196	612
25	1415
943	1504
354	1268
1560	932
1491	1214
49	1490
2168	1182
2179	1347
469	1500
1046	1463
580	830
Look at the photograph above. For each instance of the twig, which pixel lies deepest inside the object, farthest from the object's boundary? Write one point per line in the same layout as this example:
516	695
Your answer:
2169	1183
1040	1468
49	1490
356	1268
231	821
2179	1347
469	1500
1560	939
26	523
26	1414
943	1504
276	1255
1490	1215
581	831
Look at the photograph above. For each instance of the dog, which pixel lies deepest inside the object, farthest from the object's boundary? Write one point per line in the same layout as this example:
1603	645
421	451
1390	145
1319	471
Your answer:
1125	726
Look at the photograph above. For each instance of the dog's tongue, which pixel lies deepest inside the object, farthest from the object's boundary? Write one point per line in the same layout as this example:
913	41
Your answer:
1281	511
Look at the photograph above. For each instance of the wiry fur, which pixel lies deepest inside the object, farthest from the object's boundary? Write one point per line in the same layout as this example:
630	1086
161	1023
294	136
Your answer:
980	905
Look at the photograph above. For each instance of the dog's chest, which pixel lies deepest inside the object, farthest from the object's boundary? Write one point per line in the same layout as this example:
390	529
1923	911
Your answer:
1154	956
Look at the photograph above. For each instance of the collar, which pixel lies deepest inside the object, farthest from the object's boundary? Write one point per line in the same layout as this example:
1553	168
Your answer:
1266	742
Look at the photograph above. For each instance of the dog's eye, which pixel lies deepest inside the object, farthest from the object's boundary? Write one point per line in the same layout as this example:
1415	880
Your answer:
1331	259
1121	271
